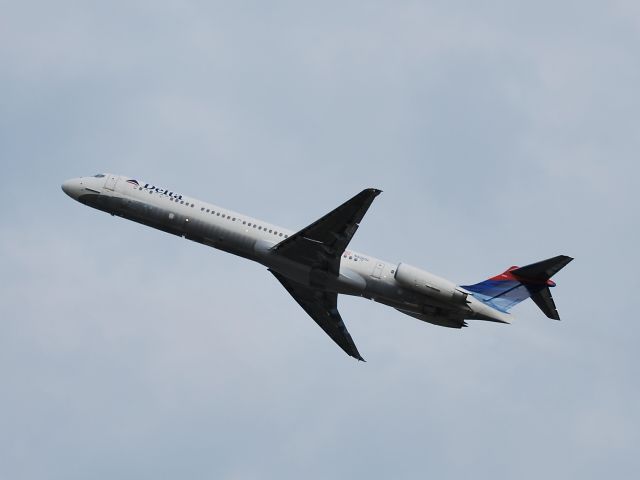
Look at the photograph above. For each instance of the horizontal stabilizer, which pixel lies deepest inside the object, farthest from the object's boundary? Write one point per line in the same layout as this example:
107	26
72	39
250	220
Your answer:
542	271
545	302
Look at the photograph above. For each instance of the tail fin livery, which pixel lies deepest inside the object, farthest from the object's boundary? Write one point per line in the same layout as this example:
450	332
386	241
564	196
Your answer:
519	283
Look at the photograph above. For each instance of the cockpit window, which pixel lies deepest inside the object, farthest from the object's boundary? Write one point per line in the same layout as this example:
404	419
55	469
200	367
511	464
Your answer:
99	175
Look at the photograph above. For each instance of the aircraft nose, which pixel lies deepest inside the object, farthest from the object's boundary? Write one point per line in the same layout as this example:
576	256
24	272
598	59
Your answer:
71	187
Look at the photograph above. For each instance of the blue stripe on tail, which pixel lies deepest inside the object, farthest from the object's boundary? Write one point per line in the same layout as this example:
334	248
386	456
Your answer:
501	294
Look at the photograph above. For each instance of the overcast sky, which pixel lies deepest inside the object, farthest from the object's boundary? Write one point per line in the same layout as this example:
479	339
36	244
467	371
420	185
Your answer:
501	133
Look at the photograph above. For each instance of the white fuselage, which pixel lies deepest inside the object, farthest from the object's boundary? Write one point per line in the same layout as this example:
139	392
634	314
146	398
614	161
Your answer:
248	237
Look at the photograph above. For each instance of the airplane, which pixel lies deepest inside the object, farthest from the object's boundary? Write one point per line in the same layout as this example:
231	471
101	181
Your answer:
314	264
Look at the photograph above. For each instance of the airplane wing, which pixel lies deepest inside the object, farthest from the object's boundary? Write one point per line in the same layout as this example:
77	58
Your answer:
321	244
323	308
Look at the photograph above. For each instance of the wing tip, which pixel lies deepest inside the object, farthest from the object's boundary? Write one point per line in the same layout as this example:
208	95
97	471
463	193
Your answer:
353	351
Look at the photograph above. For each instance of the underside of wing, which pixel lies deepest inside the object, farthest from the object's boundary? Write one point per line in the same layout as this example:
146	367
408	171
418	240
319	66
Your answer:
323	308
320	245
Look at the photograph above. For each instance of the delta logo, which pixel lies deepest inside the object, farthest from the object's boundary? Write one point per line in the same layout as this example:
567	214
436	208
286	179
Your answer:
153	188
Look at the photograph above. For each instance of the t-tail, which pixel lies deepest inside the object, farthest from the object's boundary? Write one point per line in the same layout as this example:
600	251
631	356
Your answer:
519	283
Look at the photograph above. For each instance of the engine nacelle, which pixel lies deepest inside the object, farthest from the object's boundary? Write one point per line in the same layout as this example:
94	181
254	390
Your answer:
429	284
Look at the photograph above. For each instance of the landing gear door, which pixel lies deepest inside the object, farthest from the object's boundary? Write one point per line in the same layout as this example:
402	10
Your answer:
110	183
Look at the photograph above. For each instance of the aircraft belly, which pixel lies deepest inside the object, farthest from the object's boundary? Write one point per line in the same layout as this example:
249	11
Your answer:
388	292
